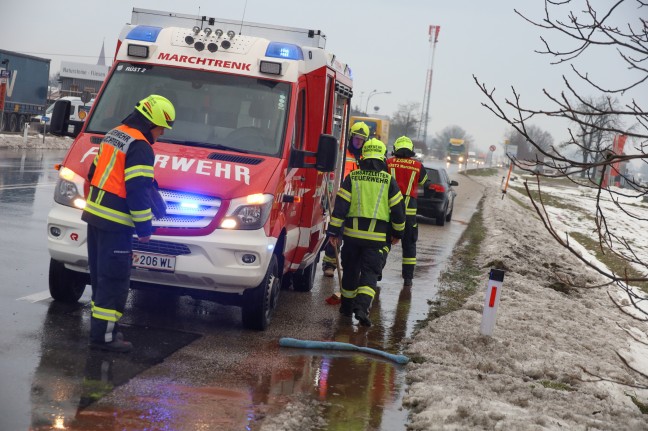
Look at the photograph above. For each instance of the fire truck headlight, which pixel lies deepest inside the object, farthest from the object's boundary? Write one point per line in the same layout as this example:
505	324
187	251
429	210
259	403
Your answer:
248	213
68	187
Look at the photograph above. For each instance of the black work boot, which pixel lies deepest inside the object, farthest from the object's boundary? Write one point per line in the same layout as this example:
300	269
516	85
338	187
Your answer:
362	317
346	307
407	282
361	309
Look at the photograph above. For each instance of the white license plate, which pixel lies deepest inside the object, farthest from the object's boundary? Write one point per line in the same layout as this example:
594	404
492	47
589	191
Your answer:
158	262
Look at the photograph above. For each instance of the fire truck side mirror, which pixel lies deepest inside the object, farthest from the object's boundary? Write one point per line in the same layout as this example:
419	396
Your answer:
325	157
327	149
60	118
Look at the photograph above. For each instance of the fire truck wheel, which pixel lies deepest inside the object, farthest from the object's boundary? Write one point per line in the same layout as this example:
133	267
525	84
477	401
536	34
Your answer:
65	285
259	303
304	279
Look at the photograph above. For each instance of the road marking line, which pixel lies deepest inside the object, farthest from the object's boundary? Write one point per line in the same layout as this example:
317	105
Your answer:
40	296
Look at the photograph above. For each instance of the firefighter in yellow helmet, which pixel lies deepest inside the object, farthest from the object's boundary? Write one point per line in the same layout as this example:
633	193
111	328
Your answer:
368	208
409	174
358	135
122	201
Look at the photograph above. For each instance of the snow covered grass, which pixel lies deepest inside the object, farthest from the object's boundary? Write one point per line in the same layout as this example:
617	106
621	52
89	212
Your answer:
561	356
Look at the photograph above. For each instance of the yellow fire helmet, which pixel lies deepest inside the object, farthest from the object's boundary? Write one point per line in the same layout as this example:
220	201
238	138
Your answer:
158	110
374	149
403	142
359	128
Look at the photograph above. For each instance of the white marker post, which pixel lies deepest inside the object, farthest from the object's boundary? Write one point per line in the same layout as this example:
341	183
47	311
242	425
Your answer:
491	301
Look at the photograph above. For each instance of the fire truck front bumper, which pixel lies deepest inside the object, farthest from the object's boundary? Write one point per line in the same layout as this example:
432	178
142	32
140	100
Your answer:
227	261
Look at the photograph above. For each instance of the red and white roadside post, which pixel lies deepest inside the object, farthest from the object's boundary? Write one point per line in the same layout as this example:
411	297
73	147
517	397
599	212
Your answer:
491	301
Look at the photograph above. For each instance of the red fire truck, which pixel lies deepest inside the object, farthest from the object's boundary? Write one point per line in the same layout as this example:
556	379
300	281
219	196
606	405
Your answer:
261	113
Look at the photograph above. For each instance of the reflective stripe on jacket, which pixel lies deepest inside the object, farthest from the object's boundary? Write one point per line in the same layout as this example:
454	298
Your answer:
350	163
121	177
367	203
409	174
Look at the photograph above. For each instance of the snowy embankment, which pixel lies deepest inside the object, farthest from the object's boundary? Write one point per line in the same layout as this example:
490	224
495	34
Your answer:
34	141
560	357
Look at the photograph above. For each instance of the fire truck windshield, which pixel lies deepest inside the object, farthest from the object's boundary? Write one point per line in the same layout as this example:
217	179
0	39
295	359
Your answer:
213	110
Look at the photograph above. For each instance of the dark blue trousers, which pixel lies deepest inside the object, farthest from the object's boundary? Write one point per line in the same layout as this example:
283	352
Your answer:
110	256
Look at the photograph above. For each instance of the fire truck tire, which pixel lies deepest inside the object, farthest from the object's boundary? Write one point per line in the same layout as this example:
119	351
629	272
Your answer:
259	303
304	279
65	285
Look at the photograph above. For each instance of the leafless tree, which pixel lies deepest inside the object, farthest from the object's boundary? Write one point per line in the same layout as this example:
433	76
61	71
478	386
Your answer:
526	151
405	121
577	27
593	130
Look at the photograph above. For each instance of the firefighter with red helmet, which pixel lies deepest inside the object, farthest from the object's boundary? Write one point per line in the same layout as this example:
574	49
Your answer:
358	135
368	212
409	174
121	201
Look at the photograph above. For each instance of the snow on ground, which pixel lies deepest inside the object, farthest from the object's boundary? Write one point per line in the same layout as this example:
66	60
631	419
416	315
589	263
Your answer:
34	141
559	358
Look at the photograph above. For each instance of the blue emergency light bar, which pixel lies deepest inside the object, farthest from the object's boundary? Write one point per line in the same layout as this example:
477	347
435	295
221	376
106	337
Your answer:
145	33
287	51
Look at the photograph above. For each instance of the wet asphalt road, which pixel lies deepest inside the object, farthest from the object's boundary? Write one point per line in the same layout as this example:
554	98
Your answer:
194	367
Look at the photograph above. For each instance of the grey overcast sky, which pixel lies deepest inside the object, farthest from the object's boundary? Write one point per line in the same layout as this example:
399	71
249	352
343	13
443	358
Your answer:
384	41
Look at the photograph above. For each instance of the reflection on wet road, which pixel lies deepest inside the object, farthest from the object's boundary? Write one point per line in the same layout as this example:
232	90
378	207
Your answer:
193	366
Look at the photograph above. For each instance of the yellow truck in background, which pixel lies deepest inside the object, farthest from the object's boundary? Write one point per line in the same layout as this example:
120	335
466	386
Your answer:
378	127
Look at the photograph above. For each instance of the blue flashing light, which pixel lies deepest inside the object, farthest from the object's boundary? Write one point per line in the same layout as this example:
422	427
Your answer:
287	51
189	205
145	33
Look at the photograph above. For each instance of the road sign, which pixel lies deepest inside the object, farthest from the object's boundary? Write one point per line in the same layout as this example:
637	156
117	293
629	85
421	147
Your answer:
4	73
492	148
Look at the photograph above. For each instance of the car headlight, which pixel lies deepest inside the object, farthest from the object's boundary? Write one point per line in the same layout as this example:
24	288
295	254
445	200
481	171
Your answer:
248	213
68	189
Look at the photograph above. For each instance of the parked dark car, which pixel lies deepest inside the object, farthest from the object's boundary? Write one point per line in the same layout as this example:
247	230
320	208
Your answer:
436	197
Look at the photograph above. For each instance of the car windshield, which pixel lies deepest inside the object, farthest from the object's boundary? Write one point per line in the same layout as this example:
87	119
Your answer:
238	113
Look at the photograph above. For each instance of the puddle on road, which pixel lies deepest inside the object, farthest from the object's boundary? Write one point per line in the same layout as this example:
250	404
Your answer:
70	377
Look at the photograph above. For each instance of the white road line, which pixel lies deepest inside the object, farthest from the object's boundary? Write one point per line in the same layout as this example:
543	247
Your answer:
40	296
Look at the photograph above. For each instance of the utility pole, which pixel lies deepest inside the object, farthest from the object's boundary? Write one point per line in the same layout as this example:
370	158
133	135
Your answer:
433	33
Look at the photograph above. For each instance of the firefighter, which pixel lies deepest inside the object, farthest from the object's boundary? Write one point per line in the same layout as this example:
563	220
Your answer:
409	174
119	204
368	208
358	135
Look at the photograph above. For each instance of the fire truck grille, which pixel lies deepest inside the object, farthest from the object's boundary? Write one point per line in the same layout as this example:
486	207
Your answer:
187	211
235	159
161	247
